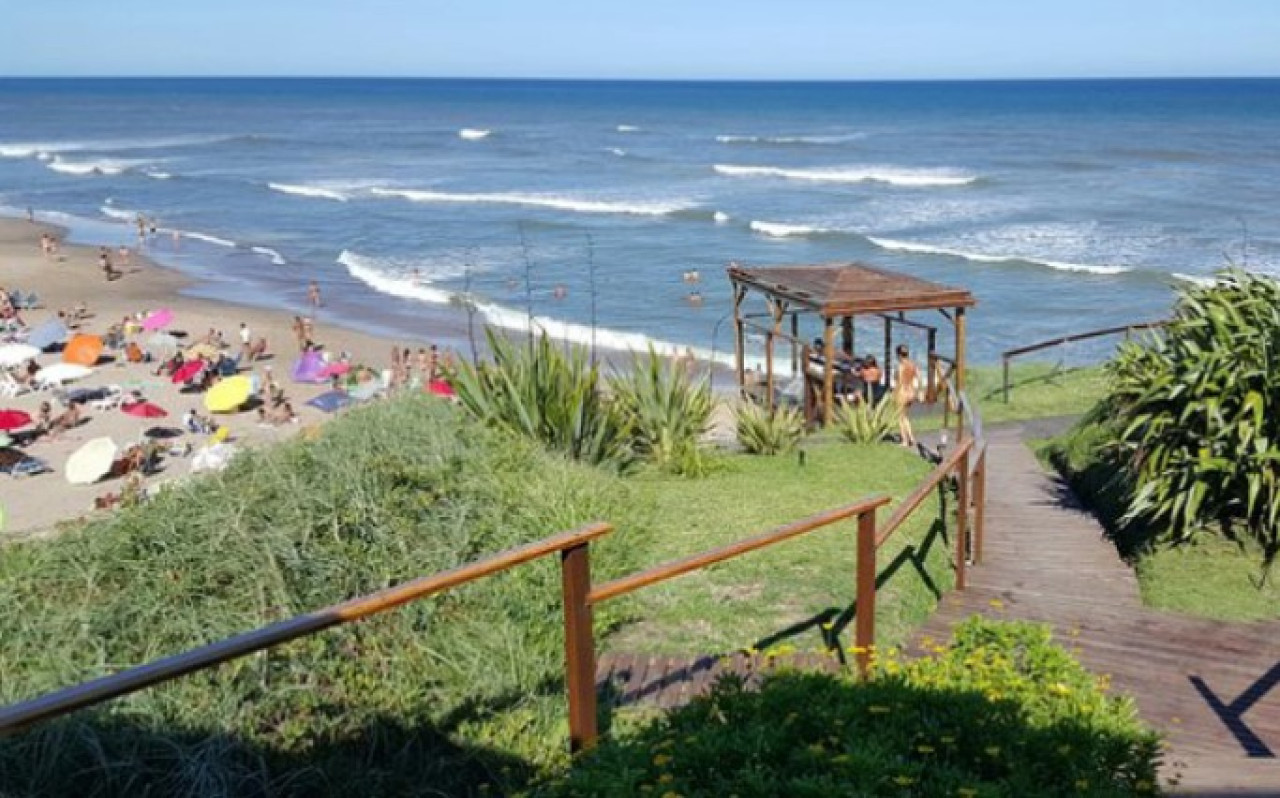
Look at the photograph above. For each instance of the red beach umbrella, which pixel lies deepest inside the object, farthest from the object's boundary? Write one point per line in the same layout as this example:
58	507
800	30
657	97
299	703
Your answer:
145	410
13	419
187	370
440	388
335	369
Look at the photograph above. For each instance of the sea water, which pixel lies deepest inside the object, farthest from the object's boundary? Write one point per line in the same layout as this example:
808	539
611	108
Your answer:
580	207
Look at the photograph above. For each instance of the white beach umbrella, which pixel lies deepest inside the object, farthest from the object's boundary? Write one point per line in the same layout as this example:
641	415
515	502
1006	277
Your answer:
16	354
90	462
59	373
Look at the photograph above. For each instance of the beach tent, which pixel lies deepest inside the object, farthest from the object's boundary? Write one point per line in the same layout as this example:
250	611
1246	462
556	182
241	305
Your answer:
48	334
59	373
332	401
228	395
91	462
16	354
309	368
158	320
83	349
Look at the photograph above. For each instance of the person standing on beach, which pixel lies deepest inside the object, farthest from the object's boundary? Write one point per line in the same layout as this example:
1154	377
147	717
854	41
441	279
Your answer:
142	227
246	343
124	256
904	393
104	260
300	333
313	294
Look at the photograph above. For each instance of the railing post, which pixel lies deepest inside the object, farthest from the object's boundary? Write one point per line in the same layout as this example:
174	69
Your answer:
979	506
864	633
579	647
962	519
1005	365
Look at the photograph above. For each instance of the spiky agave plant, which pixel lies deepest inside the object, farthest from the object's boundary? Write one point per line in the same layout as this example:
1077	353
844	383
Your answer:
761	431
537	390
666	410
867	422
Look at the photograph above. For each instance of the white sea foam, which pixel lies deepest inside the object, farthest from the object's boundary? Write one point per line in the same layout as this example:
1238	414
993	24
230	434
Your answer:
979	257
618	151
835	139
99	166
123	214
45	150
388	276
208	239
540	201
912	178
720	217
628	129
778	230
1203	282
473	133
320	192
270	254
158	175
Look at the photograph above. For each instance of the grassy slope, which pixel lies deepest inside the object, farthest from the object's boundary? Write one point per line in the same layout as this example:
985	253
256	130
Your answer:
1212	578
748	600
1038	390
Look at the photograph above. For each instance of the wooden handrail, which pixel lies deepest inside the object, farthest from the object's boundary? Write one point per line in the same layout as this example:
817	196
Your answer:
922	491
675	568
18	716
1009	354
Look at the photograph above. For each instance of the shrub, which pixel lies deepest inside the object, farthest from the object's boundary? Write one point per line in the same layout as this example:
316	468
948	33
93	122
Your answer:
446	692
550	395
1002	711
1197	414
666	411
763	432
868	422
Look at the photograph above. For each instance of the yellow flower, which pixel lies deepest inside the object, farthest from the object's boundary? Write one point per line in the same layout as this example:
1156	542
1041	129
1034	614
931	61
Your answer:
817	748
1064	749
904	781
948	739
992	750
876	709
841	759
670	794
661	760
966	792
1060	688
925	749
1082	784
666	778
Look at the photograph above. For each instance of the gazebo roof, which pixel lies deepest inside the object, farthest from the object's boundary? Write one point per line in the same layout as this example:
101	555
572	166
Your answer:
849	289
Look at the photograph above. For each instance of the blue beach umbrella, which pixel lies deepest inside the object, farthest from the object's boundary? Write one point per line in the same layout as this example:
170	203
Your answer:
332	401
47	334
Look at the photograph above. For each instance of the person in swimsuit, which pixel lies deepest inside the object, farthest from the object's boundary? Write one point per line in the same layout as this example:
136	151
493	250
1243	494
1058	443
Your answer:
904	392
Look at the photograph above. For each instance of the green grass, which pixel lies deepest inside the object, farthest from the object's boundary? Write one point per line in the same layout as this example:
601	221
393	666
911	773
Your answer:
449	692
1038	390
1210	577
757	599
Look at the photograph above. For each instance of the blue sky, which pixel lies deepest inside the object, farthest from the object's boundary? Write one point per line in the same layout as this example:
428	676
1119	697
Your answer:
823	39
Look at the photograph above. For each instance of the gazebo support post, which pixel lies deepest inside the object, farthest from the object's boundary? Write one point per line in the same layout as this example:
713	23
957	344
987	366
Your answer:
777	311
888	352
960	369
932	378
828	369
795	344
846	335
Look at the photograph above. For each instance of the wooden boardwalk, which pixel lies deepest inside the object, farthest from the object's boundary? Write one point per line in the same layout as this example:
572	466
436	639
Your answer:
1213	688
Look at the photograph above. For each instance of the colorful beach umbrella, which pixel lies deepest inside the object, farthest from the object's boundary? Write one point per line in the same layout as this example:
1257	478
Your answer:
331	402
91	462
47	334
335	369
309	367
187	371
158	320
59	373
145	410
440	388
83	349
13	419
228	395
17	354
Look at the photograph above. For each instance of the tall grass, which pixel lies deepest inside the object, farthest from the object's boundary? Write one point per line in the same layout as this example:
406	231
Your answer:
445	694
666	410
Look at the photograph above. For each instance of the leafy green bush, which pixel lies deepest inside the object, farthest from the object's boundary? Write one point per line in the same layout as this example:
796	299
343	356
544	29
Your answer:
1197	414
666	411
539	391
763	432
1002	711
866	421
450	692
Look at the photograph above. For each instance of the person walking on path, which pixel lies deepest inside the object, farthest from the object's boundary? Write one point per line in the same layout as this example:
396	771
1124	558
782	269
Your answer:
904	393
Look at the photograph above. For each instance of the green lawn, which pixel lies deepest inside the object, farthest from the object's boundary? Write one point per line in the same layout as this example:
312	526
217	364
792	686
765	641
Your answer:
786	593
1037	390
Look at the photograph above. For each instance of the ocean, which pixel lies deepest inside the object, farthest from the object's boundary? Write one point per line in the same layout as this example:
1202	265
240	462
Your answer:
1062	205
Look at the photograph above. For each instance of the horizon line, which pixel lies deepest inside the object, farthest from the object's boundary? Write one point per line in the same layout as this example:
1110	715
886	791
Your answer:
563	79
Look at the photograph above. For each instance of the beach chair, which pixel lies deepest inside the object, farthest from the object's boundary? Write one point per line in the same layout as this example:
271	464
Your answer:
9	386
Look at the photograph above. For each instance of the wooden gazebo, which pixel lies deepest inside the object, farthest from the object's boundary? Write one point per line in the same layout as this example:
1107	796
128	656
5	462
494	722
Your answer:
836	293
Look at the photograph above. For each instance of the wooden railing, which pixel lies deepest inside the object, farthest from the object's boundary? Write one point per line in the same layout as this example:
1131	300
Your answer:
578	593
1127	330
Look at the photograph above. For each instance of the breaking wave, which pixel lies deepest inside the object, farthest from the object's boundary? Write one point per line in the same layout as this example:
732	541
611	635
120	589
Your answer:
319	192
270	254
540	201
628	129
911	178
979	257
779	230
819	140
99	166
473	133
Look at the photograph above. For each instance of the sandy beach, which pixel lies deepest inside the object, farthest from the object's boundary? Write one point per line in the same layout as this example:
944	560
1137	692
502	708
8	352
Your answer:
35	504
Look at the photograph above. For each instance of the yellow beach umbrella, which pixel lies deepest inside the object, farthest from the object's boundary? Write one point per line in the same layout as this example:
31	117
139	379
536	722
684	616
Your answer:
228	395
